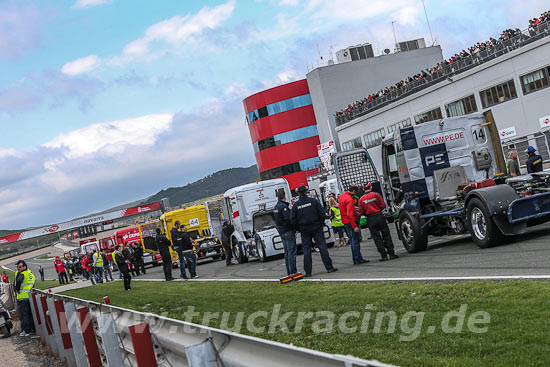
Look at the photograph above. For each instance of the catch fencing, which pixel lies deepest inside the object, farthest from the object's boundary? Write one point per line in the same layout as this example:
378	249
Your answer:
84	333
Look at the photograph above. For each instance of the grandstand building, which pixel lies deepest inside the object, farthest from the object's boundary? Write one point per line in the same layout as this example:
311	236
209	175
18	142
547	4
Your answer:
284	133
512	79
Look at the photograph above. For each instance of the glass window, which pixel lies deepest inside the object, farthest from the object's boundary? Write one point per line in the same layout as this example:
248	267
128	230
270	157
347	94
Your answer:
352	144
304	165
278	107
498	94
535	81
399	125
431	115
461	107
288	137
374	139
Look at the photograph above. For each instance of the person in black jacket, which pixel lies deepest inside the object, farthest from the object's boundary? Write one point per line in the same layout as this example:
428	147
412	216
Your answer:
534	162
308	215
286	231
227	231
163	244
187	243
138	256
175	234
122	262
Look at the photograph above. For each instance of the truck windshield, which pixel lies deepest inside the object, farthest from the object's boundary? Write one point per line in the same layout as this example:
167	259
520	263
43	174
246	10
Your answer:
263	221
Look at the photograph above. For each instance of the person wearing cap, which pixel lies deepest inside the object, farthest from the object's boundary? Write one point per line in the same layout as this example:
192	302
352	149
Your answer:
351	223
286	231
534	162
371	205
24	282
308	215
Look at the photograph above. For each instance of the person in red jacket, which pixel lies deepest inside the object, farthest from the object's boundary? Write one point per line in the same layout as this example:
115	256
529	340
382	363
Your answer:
351	223
371	205
60	269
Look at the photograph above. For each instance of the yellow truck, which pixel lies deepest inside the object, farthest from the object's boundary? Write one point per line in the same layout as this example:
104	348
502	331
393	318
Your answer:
195	219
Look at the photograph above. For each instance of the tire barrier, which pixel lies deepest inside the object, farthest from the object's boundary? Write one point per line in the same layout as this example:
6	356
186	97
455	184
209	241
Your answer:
84	333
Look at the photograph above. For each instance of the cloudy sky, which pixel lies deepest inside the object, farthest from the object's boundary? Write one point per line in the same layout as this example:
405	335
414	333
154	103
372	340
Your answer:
107	101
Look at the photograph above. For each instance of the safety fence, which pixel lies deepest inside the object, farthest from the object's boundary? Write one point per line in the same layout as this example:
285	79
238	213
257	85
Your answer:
85	333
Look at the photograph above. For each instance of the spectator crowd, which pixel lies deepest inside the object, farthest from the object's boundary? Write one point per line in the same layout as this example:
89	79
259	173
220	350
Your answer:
469	55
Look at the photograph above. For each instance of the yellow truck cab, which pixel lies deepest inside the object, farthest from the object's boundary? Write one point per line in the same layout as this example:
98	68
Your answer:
196	221
148	234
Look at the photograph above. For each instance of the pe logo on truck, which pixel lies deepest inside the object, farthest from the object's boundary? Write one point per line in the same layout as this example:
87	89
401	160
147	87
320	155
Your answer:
434	157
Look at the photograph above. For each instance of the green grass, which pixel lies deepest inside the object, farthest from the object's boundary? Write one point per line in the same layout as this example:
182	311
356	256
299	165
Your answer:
517	335
38	284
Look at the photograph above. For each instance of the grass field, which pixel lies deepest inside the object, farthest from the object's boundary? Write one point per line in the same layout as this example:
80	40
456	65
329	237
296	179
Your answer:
517	334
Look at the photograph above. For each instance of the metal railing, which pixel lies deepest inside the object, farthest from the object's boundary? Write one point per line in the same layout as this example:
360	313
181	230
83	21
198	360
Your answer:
85	333
475	59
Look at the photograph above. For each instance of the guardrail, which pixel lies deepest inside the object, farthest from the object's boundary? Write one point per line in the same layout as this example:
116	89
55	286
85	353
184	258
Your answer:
85	333
475	59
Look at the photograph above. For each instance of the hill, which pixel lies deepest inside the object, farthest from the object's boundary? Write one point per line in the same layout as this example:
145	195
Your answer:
211	185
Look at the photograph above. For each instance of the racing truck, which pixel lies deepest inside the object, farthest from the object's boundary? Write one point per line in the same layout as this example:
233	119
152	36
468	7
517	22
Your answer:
250	209
448	177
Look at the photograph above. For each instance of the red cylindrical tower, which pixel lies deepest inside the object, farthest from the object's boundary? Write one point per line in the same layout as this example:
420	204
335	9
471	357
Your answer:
284	133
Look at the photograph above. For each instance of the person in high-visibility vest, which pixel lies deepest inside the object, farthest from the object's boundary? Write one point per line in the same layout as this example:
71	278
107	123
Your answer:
336	221
98	266
24	282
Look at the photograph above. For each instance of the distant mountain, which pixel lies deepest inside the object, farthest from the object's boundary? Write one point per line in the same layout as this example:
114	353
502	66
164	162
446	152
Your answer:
211	185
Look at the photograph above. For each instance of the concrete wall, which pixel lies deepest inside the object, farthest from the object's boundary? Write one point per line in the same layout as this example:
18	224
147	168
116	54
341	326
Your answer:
334	87
523	113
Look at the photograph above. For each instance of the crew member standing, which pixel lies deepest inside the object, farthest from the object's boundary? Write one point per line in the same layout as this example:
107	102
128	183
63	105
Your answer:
187	243
24	282
371	205
534	162
175	234
227	231
138	255
61	271
336	221
351	223
512	164
286	231
122	263
41	272
163	244
98	266
308	215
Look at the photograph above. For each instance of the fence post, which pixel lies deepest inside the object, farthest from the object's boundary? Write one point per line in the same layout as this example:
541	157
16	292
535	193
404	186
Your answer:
143	345
88	334
38	325
76	334
65	334
47	325
56	330
109	338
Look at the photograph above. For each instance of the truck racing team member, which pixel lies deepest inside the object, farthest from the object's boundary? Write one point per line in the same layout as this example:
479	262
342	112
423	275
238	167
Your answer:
138	256
351	223
534	162
371	205
163	244
227	231
61	271
106	266
512	164
175	234
24	282
97	261
187	243
286	231
308	215
122	262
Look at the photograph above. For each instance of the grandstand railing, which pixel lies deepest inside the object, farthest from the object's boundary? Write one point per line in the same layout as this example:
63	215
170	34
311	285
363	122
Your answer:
475	59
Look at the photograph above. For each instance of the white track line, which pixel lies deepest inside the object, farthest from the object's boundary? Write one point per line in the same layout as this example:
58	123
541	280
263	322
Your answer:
491	277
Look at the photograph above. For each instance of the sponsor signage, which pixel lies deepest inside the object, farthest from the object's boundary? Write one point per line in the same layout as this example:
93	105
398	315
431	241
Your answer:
97	219
545	122
325	151
509	132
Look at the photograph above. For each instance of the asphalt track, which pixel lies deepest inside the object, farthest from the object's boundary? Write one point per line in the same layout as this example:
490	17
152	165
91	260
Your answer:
447	258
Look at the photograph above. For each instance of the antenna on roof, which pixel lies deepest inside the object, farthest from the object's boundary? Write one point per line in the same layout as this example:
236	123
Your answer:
428	21
394	36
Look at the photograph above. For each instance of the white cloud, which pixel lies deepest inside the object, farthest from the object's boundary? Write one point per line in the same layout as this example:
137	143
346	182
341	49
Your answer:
89	3
82	65
113	137
180	29
289	2
354	9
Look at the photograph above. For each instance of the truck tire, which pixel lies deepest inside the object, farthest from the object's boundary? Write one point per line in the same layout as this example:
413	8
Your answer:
260	249
238	252
411	233
4	330
482	228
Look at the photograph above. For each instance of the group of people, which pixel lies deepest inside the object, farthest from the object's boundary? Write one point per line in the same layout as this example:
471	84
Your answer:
428	74
183	243
308	217
534	162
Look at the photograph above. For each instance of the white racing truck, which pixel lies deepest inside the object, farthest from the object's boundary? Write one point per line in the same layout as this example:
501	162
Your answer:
449	177
250	210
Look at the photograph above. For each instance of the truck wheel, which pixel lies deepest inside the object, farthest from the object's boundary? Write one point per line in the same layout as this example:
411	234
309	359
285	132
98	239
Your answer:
238	252
260	249
411	233
483	229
